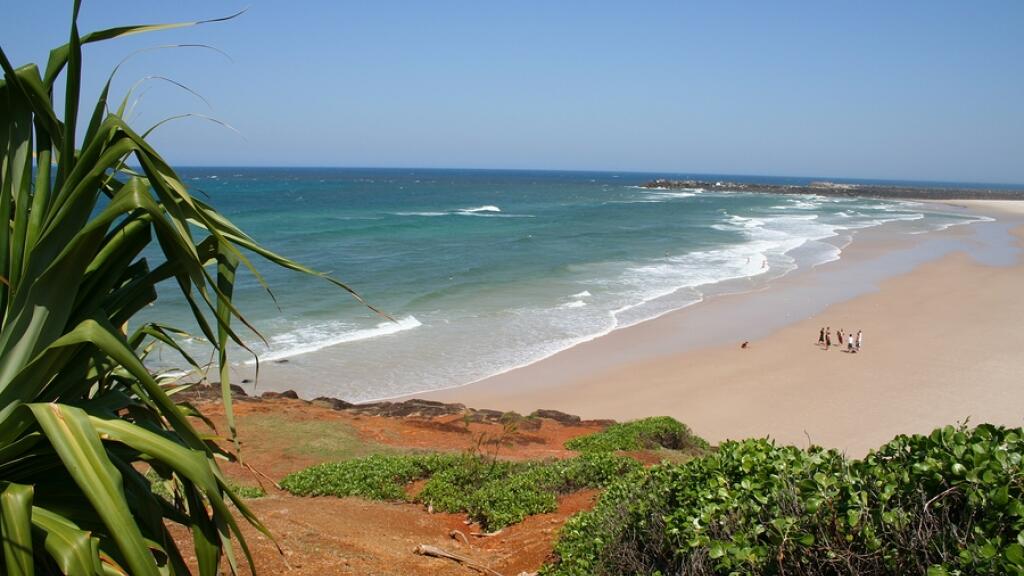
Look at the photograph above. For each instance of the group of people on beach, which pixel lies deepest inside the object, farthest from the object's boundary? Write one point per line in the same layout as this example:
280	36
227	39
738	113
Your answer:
852	341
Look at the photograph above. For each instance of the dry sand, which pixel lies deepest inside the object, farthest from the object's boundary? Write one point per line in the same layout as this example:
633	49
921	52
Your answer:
942	343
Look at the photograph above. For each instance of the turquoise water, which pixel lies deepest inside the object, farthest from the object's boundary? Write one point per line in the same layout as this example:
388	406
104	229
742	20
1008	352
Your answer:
488	270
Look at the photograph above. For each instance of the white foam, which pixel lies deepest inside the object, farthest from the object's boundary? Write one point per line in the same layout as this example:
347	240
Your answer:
742	222
484	211
670	195
574	304
584	294
487	208
420	213
312	338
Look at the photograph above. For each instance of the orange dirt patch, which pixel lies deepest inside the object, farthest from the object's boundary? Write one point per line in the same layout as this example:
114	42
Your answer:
353	536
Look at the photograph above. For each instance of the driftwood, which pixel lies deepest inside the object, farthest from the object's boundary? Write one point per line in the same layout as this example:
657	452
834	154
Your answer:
260	475
486	534
435	552
458	535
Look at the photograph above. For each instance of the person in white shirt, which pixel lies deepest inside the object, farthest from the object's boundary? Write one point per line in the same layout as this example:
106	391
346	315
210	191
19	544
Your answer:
860	339
849	343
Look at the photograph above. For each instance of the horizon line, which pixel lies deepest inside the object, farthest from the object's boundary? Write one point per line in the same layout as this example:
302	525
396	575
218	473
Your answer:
1019	185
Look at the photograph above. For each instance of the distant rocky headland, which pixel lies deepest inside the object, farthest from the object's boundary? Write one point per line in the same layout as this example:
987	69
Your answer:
847	190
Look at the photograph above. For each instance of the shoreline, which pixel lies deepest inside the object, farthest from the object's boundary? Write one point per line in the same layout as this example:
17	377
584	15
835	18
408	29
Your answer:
569	379
286	373
858	243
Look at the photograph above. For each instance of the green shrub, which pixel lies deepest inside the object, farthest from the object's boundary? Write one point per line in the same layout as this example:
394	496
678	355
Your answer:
534	489
594	470
378	477
503	502
494	493
451	489
645	434
947	503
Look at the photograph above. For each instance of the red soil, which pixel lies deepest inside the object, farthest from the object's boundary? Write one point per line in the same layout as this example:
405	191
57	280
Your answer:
353	536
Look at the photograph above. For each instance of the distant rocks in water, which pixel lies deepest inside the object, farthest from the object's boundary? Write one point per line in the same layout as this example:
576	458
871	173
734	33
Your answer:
825	188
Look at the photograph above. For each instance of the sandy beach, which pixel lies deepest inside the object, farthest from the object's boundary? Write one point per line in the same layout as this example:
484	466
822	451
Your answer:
942	344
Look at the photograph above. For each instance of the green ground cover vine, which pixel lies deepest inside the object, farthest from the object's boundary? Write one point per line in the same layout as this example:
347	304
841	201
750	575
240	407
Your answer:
949	503
495	493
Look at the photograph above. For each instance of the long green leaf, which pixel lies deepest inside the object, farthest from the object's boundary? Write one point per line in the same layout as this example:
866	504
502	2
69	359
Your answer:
16	528
71	548
78	445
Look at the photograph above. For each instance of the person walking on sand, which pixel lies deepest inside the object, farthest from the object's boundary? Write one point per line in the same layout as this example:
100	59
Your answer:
849	343
860	339
821	336
828	337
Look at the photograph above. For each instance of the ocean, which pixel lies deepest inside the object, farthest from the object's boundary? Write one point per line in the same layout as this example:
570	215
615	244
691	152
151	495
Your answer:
487	270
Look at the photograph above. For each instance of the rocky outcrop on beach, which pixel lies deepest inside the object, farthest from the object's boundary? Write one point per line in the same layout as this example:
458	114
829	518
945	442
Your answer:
844	190
413	408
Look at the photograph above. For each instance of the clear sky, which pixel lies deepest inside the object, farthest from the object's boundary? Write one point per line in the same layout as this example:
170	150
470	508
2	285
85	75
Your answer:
928	90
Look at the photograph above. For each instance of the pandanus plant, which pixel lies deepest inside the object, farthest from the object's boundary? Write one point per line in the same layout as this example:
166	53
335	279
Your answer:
82	420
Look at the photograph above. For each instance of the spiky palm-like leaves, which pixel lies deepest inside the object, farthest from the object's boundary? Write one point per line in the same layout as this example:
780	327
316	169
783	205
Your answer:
79	412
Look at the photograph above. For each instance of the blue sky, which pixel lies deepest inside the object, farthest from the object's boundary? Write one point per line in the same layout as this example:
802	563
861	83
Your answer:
899	90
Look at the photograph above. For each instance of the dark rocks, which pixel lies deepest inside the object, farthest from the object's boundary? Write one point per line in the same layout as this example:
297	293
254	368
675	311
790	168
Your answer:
844	190
290	394
414	408
486	416
409	408
209	391
560	417
332	403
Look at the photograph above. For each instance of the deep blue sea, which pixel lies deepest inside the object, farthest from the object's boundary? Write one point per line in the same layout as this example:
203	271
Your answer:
486	270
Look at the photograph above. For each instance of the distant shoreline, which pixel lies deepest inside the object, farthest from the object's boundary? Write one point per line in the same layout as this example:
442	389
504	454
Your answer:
824	188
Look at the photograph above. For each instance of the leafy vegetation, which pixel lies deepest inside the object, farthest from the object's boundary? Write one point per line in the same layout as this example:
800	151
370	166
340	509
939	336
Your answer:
377	477
169	490
947	503
493	492
79	411
645	434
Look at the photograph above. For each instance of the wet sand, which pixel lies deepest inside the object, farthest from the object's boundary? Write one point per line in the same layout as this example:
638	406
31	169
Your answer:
943	342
